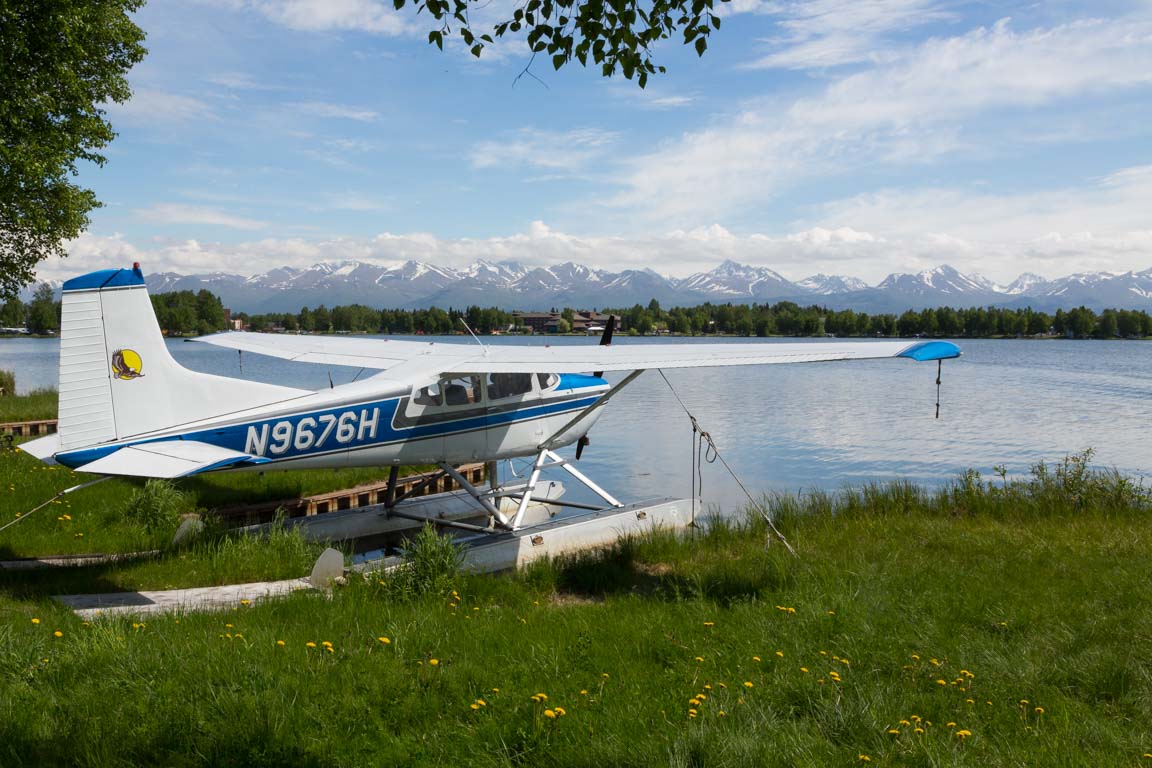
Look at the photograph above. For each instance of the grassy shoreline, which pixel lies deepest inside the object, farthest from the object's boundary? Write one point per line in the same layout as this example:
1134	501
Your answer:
1009	621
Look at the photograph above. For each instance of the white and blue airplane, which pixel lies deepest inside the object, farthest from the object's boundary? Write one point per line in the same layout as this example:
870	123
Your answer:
128	408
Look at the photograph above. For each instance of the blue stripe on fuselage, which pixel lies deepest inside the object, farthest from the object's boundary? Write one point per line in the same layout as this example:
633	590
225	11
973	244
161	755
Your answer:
377	417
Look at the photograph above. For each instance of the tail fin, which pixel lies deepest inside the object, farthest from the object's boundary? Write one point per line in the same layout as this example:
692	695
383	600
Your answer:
117	379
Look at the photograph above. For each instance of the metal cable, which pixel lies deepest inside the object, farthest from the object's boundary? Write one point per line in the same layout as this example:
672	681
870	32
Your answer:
710	454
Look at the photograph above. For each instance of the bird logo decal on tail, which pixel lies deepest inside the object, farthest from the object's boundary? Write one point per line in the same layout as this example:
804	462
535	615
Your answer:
126	364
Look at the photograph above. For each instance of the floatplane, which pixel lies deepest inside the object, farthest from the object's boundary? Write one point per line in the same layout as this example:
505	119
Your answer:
127	408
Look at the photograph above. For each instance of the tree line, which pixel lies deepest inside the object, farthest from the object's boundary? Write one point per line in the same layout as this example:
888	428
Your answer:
201	312
789	319
181	313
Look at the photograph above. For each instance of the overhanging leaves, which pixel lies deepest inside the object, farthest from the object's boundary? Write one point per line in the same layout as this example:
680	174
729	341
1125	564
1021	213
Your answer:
618	35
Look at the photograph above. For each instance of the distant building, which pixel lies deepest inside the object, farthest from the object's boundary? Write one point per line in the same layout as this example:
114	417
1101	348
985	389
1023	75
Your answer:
583	321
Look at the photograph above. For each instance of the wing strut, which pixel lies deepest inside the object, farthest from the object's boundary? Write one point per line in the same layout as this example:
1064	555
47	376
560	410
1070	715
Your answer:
550	443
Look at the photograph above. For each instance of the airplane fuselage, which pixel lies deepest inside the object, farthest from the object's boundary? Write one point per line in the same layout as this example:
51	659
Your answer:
376	422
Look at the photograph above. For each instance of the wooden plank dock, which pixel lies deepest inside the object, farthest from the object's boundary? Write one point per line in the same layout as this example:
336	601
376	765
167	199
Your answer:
29	428
349	498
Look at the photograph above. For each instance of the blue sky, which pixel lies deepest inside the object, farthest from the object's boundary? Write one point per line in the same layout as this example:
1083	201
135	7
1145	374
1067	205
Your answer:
858	137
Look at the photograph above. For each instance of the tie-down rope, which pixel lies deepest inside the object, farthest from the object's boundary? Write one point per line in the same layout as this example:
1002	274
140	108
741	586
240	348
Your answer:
704	447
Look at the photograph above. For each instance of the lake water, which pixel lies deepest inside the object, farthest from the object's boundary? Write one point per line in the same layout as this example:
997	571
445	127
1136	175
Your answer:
827	425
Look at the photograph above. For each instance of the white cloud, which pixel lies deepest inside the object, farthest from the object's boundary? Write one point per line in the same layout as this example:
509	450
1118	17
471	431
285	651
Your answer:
151	106
558	151
1101	226
338	111
178	213
827	33
333	15
912	109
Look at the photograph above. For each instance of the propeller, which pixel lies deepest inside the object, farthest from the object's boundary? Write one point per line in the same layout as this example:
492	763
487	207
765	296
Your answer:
605	340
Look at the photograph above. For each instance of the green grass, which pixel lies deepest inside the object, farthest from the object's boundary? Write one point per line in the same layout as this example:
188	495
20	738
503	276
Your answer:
95	519
33	406
1017	595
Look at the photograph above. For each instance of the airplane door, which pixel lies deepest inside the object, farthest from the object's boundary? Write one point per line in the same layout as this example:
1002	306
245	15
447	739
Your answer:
446	421
513	427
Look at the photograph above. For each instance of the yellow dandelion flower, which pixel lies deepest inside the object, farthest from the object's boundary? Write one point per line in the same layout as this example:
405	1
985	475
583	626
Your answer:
35	621
550	714
791	610
721	685
894	731
1023	701
709	623
707	687
328	648
692	713
755	658
831	613
474	706
560	711
433	662
963	733
804	670
747	684
721	713
865	759
699	658
584	692
384	640
969	701
536	699
495	690
543	696
245	601
905	723
326	644
1039	710
280	643
917	731
916	657
915	718
310	644
58	633
694	702
941	682
604	675
949	725
780	654
702	697
823	653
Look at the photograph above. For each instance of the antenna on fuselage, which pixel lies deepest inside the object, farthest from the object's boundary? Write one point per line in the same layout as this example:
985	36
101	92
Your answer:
464	323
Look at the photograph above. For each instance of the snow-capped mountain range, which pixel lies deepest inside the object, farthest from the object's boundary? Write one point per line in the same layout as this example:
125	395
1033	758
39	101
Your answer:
513	285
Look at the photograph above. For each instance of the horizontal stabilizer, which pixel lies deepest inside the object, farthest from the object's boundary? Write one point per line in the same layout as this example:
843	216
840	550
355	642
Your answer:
168	459
43	448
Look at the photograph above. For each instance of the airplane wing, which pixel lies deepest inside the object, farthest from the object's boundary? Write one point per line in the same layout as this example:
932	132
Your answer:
168	459
449	357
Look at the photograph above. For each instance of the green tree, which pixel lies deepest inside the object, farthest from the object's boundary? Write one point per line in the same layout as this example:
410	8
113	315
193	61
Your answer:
13	313
618	36
60	62
44	311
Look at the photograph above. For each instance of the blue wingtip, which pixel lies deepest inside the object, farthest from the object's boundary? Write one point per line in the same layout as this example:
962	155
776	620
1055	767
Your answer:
931	350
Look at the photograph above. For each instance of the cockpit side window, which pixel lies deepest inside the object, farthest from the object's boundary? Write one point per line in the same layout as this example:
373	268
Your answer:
429	395
461	390
502	385
547	380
